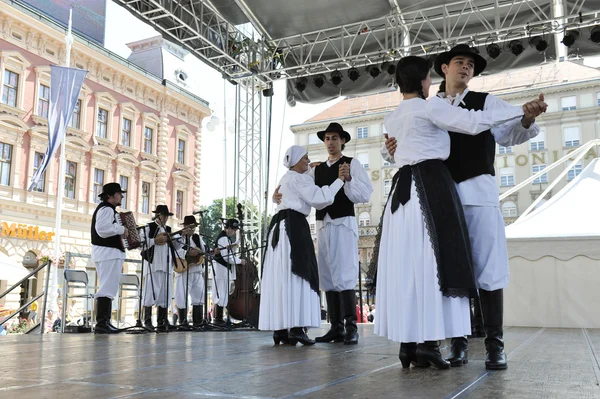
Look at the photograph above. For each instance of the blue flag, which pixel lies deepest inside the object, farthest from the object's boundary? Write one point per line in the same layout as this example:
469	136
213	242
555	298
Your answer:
65	85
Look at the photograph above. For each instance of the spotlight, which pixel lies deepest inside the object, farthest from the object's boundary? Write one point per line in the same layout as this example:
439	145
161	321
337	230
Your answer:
538	43
291	101
493	50
595	35
301	84
336	77
570	37
516	47
319	80
353	74
373	70
388	67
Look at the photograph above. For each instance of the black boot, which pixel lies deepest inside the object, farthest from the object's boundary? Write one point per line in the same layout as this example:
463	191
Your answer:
334	310
197	315
162	321
428	354
408	354
110	315
492	308
458	352
297	334
349	306
183	321
148	317
219	315
281	336
103	317
477	330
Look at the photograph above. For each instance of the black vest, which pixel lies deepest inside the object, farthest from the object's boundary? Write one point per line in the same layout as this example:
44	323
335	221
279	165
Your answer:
472	156
218	256
325	176
112	241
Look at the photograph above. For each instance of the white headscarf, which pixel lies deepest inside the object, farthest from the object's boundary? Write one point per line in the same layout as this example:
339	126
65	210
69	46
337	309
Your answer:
293	155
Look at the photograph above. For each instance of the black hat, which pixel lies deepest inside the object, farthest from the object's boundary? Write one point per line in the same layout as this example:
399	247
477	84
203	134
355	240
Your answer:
334	128
190	220
232	223
162	210
461	49
111	189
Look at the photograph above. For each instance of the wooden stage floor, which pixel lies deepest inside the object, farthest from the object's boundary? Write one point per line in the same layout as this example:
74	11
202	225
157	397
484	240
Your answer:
543	363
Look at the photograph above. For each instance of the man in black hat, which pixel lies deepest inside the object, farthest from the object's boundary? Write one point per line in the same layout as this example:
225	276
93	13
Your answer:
161	252
337	234
108	253
191	281
224	266
471	164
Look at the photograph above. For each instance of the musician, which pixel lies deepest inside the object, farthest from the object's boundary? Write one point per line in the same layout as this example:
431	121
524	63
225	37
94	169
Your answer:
108	253
161	252
224	265
194	285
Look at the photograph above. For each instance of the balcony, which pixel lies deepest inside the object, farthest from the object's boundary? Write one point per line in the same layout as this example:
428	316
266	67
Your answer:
367	231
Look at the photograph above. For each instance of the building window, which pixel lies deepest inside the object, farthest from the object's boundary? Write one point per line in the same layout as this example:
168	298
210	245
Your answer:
98	183
148	134
76	118
507	180
504	150
313	138
43	101
179	204
363	158
70	179
124	182
537	145
387	186
102	123
126	132
10	88
181	151
5	163
509	209
574	172
364	219
572	137
569	103
543	178
37	161
362	132
598	97
145	197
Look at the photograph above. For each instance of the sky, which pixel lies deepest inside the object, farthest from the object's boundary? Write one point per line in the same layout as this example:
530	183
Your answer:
221	96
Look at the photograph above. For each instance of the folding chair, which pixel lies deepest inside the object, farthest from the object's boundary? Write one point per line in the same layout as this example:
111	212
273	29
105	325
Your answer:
77	279
128	283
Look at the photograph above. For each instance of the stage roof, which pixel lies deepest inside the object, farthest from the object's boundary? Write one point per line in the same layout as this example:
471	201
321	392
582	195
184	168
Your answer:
293	39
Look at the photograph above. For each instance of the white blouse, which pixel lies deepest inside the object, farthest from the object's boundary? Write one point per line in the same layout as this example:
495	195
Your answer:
300	193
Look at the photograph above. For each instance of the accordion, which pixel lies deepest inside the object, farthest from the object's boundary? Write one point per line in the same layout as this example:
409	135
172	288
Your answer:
127	220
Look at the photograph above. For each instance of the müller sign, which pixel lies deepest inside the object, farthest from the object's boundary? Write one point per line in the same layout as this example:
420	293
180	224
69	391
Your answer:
25	232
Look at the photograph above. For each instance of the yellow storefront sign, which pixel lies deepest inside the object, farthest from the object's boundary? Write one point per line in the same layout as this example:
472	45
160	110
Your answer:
25	232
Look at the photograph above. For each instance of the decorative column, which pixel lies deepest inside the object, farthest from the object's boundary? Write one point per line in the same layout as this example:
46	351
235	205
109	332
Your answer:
162	150
197	167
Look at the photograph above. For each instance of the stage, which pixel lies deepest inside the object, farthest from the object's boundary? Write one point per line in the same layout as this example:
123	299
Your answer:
543	363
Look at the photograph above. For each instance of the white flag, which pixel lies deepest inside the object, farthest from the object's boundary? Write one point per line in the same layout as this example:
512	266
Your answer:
65	85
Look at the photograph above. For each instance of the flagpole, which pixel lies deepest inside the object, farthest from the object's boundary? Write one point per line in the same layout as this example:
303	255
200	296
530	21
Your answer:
53	294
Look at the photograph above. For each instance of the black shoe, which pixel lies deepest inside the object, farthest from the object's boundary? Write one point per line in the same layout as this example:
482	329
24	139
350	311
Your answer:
492	308
197	315
103	326
162	321
182	316
408	354
459	353
148	318
334	309
428	354
218	315
297	334
281	336
349	306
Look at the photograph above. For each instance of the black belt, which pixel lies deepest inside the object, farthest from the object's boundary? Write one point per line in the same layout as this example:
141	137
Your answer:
401	184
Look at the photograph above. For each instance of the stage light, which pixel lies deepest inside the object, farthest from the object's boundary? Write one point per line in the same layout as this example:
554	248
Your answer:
373	70
493	50
301	84
595	34
336	77
570	37
319	80
516	47
353	74
538	43
388	67
291	101
475	49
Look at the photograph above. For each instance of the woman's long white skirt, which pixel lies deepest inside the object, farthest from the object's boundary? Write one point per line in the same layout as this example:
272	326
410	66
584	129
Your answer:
410	305
286	300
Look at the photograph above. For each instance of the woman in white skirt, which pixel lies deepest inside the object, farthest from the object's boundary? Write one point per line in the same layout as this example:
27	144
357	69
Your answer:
424	276
290	276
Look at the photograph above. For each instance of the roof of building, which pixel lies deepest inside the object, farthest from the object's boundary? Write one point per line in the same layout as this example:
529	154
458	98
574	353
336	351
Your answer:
540	76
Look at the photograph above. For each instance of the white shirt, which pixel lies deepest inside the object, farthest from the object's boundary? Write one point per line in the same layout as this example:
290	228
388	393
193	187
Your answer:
300	193
181	253
162	261
106	227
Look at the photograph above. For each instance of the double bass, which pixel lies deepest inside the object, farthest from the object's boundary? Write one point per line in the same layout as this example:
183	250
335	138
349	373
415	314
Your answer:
244	301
